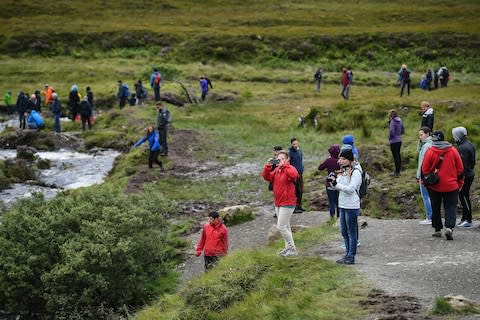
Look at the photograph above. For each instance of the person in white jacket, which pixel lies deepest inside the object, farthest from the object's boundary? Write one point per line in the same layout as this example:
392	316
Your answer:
348	182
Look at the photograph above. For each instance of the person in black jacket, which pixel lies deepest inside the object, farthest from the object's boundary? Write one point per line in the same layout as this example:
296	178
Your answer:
467	152
427	115
73	101
164	118
318	78
90	96
85	110
38	96
22	106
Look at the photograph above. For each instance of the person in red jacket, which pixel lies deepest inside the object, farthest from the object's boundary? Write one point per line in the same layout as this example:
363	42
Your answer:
214	241
283	178
450	174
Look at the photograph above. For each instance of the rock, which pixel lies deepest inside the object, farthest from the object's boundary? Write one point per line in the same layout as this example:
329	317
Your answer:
274	234
460	302
235	214
362	223
455	105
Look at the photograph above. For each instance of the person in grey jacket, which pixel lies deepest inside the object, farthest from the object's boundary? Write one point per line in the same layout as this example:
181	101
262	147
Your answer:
425	136
348	182
467	152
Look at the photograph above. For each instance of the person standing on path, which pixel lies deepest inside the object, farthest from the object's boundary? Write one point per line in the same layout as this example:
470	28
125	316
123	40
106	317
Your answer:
348	182
424	134
164	118
318	78
445	161
467	152
283	178
427	115
296	158
213	241
395	132
332	166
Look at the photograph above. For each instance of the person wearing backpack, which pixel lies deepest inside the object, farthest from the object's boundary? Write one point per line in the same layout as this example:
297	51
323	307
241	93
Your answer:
140	92
164	118
395	132
85	110
404	79
155	83
318	78
123	94
348	182
443	76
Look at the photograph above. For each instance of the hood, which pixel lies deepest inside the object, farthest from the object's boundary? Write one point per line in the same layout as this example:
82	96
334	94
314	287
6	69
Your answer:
334	150
348	139
74	88
459	133
427	112
441	146
397	119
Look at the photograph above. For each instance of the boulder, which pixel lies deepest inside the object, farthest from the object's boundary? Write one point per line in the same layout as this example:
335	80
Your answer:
236	214
460	302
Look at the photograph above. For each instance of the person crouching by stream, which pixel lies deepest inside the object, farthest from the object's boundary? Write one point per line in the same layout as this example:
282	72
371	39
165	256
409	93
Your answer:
213	241
153	141
348	182
283	178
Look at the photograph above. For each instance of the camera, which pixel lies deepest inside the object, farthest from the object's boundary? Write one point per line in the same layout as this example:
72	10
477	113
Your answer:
274	161
332	178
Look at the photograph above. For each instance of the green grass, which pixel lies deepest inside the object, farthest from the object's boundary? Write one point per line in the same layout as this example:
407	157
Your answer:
257	284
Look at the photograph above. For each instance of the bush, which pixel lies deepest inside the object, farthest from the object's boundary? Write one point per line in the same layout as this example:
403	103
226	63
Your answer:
85	255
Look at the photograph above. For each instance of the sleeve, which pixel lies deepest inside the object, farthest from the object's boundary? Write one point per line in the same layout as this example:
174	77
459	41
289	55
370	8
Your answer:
267	173
427	166
140	141
353	185
322	166
459	167
292	173
225	242
200	243
391	129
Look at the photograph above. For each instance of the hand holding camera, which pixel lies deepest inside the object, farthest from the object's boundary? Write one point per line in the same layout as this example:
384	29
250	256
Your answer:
332	178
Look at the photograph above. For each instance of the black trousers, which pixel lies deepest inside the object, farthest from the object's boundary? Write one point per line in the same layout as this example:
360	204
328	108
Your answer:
299	190
405	84
153	157
397	159
464	196
211	261
450	200
162	135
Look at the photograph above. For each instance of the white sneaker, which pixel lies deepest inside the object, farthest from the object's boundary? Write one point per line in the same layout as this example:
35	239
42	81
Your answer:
426	221
462	223
467	225
290	252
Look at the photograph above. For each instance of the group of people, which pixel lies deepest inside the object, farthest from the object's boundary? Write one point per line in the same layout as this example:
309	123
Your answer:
81	108
346	80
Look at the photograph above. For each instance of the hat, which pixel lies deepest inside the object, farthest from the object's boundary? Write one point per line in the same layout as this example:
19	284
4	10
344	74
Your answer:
347	154
277	148
348	139
438	136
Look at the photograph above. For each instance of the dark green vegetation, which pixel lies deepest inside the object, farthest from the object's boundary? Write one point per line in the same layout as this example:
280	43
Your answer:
89	252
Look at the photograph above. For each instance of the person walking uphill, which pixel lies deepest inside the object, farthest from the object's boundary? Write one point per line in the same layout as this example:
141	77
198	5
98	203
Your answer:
395	132
404	79
296	159
283	178
213	241
348	182
467	152
152	137
332	166
164	118
443	160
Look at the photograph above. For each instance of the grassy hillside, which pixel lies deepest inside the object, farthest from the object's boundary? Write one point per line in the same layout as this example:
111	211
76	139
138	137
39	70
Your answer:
262	54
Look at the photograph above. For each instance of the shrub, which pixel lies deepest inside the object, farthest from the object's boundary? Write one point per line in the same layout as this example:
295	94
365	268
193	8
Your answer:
84	255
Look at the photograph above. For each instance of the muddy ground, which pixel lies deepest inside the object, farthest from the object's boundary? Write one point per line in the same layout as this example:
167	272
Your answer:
407	266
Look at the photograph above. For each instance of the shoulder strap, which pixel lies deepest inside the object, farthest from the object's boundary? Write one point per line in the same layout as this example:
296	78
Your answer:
438	164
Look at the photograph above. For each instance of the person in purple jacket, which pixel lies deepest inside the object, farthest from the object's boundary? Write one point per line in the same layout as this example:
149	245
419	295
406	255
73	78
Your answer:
395	132
332	166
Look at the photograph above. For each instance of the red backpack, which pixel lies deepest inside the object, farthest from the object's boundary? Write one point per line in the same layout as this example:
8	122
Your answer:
157	79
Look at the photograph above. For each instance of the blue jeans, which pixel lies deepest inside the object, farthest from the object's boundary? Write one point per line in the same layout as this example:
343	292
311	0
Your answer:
57	122
426	201
332	202
348	227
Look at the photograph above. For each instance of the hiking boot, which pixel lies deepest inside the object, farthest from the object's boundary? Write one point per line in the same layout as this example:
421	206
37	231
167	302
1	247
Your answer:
448	234
437	234
341	261
426	221
467	225
346	260
290	252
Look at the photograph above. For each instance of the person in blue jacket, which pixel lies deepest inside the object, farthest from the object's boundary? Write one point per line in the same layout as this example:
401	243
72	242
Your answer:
153	141
348	139
35	120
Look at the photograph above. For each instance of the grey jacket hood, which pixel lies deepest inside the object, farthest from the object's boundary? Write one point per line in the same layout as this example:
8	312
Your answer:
441	144
459	133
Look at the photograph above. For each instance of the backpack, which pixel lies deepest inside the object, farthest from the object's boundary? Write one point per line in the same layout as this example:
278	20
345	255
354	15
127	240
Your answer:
157	79
405	75
363	190
126	93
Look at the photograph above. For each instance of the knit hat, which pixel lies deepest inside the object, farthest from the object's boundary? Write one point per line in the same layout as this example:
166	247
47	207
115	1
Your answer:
347	154
459	133
277	148
438	136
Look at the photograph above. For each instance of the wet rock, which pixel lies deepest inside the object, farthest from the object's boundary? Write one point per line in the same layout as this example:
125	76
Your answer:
26	152
40	140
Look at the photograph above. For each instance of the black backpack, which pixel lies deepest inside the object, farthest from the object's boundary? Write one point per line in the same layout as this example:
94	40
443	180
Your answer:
405	75
363	190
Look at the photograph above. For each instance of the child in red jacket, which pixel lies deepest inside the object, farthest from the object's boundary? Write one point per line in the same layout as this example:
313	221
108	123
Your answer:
214	240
